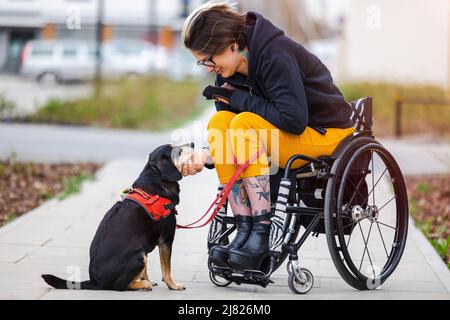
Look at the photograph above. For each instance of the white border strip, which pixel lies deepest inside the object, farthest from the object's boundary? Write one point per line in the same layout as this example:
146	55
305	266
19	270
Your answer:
434	260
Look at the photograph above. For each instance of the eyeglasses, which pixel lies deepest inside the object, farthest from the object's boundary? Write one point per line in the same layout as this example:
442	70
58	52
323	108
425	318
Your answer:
207	63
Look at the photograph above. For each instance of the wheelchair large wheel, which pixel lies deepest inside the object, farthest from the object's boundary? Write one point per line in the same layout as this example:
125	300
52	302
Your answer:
366	214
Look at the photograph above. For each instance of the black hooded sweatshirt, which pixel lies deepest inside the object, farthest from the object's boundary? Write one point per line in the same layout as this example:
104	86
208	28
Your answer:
286	84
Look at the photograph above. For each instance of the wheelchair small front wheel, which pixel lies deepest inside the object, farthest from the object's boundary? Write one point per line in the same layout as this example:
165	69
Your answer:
218	280
301	286
215	278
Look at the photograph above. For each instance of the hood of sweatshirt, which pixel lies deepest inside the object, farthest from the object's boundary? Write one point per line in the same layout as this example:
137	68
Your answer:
260	32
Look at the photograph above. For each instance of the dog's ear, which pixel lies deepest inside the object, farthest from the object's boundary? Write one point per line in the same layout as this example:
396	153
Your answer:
168	170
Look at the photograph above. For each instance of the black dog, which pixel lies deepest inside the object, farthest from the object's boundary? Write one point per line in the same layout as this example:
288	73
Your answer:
118	252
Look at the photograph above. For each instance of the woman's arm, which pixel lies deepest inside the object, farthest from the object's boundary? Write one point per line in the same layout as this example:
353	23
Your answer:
287	109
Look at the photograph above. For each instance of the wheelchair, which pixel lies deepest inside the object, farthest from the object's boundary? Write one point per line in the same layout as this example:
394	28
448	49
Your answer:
356	197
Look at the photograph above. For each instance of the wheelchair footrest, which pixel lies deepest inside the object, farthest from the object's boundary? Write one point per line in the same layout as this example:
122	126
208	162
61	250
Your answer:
246	276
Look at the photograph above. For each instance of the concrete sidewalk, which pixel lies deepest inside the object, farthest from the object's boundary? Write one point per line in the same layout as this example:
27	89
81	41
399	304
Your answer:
55	238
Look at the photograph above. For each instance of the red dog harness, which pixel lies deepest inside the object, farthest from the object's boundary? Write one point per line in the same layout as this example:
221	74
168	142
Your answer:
157	207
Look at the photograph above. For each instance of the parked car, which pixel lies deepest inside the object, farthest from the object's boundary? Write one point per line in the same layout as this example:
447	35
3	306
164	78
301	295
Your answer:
53	61
65	60
131	57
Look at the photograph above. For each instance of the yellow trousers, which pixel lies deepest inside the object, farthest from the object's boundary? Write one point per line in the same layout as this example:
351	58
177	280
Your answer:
234	138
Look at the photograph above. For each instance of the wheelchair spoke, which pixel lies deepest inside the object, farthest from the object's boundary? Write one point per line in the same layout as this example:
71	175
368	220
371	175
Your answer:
364	252
347	225
373	177
382	239
368	254
383	224
352	223
373	188
356	189
348	242
387	203
366	248
362	179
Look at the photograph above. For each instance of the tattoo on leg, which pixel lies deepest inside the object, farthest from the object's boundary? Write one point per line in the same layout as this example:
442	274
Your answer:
239	194
239	201
260	213
258	190
260	185
265	195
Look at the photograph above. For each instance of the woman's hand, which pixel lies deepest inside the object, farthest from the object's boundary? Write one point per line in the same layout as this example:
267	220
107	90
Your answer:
228	86
196	162
222	93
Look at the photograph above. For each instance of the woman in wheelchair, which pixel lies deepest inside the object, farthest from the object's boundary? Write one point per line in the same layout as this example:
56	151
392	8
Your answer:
271	95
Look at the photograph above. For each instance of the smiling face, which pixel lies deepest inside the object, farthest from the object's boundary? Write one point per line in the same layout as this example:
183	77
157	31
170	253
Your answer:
227	63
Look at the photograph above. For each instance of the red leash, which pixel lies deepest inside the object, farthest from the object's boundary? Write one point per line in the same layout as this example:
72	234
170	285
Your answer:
222	196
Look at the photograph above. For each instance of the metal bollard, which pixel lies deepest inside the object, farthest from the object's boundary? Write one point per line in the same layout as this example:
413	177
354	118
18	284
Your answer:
398	116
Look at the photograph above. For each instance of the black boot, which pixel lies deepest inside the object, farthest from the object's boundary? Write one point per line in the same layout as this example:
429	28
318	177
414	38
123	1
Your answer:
251	255
219	254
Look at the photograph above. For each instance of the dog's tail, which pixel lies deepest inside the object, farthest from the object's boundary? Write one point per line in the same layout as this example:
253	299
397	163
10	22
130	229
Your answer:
59	283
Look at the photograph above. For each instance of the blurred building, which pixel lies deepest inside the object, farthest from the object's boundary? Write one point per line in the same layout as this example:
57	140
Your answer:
313	23
156	21
292	16
405	41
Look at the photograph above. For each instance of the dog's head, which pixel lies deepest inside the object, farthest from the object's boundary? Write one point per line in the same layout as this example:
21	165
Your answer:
168	159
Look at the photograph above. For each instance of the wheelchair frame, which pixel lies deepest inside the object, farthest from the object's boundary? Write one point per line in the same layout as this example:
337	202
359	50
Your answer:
287	219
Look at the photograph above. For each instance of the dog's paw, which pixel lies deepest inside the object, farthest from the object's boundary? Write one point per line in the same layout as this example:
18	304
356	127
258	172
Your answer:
148	286
177	286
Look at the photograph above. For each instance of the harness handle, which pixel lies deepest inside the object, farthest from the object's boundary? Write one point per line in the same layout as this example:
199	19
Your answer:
222	196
